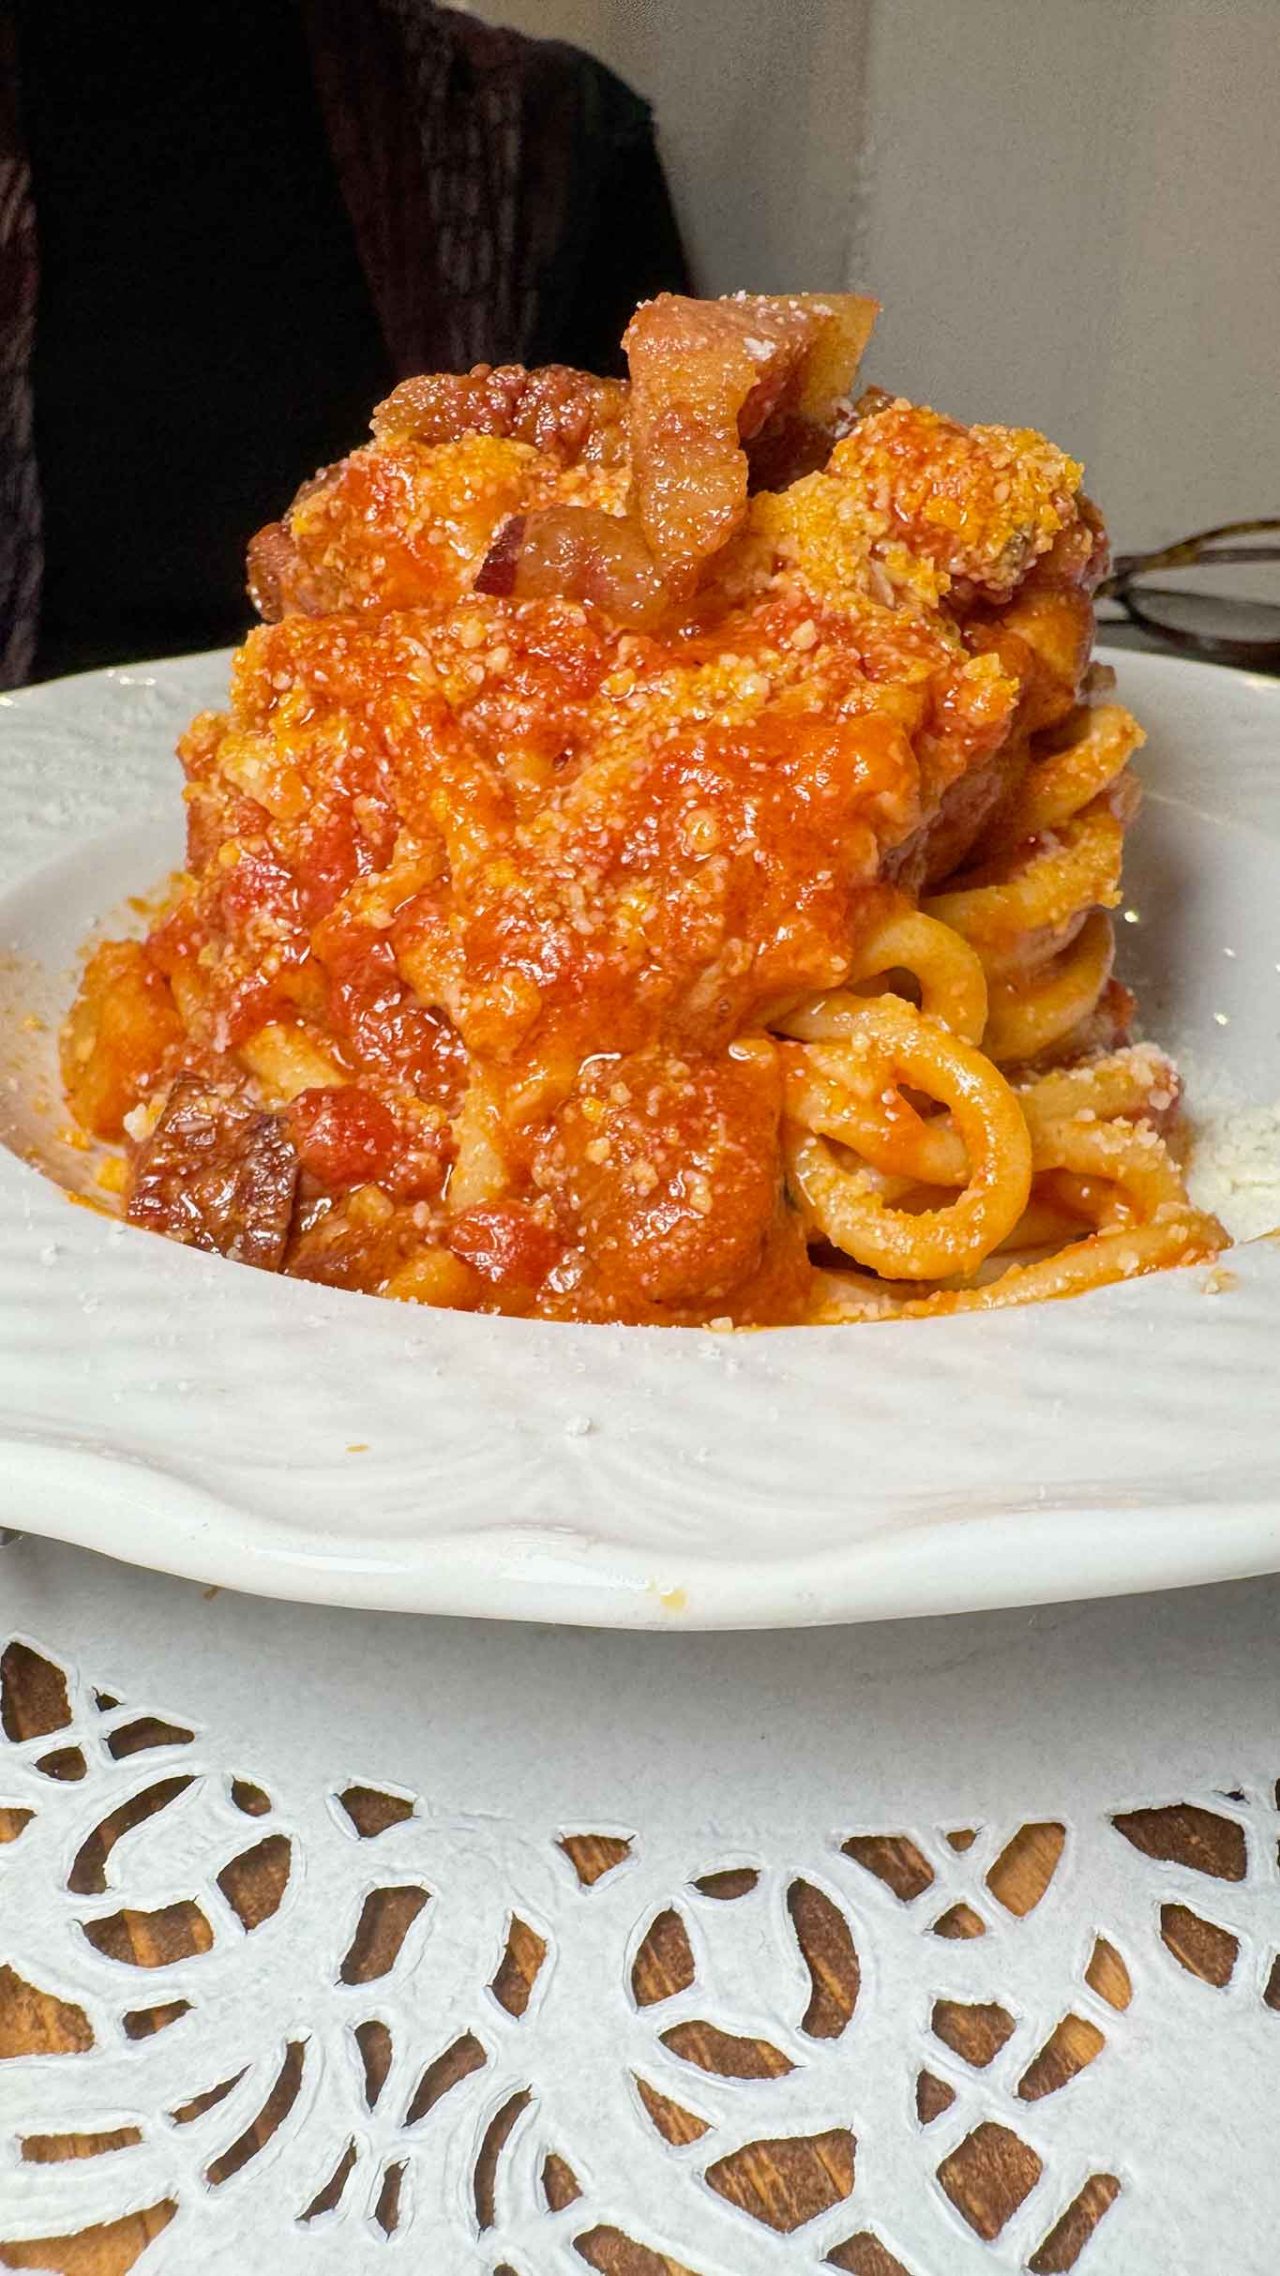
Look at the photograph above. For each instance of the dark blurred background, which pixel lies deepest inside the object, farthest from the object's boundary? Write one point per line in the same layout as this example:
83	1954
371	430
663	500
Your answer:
227	227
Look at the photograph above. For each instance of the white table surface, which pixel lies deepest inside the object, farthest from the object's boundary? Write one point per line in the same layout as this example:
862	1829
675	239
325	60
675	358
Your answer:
705	1752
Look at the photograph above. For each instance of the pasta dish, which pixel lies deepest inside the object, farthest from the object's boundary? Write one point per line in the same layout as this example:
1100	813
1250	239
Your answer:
656	864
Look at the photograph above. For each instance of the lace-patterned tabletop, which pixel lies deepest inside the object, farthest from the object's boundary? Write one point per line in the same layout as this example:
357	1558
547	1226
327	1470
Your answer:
335	1941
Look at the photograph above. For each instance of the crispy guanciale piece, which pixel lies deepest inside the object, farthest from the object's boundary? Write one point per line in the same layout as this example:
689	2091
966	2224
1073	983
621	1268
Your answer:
273	574
577	553
411	520
707	376
726	395
405	521
217	1173
569	414
397	526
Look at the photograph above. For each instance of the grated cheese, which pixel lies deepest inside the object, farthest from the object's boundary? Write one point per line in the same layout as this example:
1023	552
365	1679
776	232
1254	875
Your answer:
1234	1165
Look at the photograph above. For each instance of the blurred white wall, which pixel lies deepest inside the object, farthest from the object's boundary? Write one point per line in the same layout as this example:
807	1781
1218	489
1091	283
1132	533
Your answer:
1074	221
761	115
1070	208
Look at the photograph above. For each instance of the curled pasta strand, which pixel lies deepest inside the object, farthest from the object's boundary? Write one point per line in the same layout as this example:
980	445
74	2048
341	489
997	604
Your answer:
1106	1029
1094	1262
847	1100
848	1092
1033	1010
947	971
1084	758
1076	868
1032	951
845	1206
1117	1176
1130	1175
1136	1081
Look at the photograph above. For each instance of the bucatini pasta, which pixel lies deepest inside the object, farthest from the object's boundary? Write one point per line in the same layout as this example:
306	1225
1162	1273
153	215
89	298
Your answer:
657	864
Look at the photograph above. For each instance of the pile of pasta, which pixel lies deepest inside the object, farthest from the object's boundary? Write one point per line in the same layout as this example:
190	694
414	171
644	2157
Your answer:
982	1147
657	864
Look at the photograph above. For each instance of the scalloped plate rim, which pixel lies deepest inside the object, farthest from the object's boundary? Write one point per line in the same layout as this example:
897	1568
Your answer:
959	1555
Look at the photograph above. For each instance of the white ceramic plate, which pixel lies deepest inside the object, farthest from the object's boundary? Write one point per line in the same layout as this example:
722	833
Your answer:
185	1413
